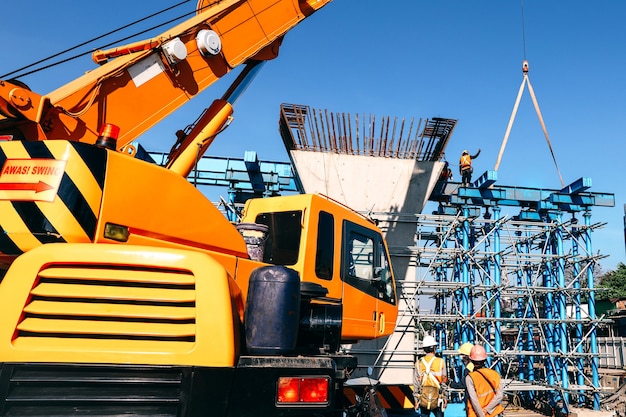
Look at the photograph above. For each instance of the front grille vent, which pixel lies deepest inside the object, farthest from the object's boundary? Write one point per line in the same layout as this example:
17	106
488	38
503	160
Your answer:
110	302
67	390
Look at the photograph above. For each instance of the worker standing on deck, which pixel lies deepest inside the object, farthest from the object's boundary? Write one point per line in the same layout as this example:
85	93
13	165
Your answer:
429	377
484	390
465	167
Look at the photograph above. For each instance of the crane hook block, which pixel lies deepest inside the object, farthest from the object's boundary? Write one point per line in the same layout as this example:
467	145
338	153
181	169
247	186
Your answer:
525	67
209	43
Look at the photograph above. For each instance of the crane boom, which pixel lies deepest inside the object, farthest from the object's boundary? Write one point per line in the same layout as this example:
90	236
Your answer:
138	85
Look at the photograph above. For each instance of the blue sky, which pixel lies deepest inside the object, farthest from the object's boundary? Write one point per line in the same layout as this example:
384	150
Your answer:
409	58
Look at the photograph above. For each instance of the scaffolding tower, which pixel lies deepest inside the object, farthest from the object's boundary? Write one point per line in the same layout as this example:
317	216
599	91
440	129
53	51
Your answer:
513	269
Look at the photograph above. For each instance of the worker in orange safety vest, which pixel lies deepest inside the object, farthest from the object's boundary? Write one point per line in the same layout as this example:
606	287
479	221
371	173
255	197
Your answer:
484	390
465	167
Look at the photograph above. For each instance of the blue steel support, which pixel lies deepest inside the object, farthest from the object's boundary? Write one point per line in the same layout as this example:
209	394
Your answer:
519	314
256	180
497	280
488	311
578	186
230	214
531	328
439	329
595	363
486	180
465	273
460	326
443	277
562	308
549	312
578	333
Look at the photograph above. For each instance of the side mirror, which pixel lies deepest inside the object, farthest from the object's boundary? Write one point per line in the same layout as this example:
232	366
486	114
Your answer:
378	274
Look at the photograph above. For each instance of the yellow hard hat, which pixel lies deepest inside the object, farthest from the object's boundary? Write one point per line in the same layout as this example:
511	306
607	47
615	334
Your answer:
466	348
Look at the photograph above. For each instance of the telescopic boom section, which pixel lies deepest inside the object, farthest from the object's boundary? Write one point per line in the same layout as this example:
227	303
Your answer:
138	85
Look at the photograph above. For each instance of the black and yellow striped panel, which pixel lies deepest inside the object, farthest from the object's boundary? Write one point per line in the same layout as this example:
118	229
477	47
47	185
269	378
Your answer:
49	192
392	397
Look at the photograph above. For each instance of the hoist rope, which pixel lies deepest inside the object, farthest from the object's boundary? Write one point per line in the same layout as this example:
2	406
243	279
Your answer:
526	81
545	131
523	31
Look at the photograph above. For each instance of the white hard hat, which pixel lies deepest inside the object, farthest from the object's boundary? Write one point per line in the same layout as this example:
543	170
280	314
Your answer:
429	341
465	151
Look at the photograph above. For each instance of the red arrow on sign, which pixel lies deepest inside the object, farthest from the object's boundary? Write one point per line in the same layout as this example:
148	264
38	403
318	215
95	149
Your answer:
37	187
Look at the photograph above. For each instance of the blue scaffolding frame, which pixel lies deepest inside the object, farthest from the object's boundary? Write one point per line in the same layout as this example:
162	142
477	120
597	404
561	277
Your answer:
538	286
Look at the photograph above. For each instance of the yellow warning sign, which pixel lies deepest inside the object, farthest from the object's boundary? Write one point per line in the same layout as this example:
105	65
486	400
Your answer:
31	179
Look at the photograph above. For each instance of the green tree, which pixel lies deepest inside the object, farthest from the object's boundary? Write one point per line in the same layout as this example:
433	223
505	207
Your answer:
614	282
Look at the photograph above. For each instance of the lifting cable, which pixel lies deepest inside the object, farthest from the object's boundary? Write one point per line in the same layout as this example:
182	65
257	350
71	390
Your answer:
15	74
526	81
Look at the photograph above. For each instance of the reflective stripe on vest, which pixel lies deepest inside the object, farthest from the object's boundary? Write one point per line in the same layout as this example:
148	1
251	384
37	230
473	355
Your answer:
431	372
466	161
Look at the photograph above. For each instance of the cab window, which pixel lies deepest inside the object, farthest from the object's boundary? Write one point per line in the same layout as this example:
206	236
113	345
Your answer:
365	264
325	246
283	241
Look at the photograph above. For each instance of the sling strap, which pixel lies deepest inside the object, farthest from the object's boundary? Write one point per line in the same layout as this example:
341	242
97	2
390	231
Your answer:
486	379
427	372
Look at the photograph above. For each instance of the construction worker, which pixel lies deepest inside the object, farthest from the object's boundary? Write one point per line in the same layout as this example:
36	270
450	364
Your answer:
446	173
468	366
484	391
465	167
429	377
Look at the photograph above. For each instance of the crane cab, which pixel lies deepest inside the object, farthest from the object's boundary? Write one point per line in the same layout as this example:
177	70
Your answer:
337	250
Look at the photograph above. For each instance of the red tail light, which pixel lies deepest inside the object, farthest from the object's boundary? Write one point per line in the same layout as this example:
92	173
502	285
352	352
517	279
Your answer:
302	390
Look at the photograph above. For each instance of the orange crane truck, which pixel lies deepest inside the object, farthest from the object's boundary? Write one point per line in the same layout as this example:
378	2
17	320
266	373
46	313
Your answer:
126	292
